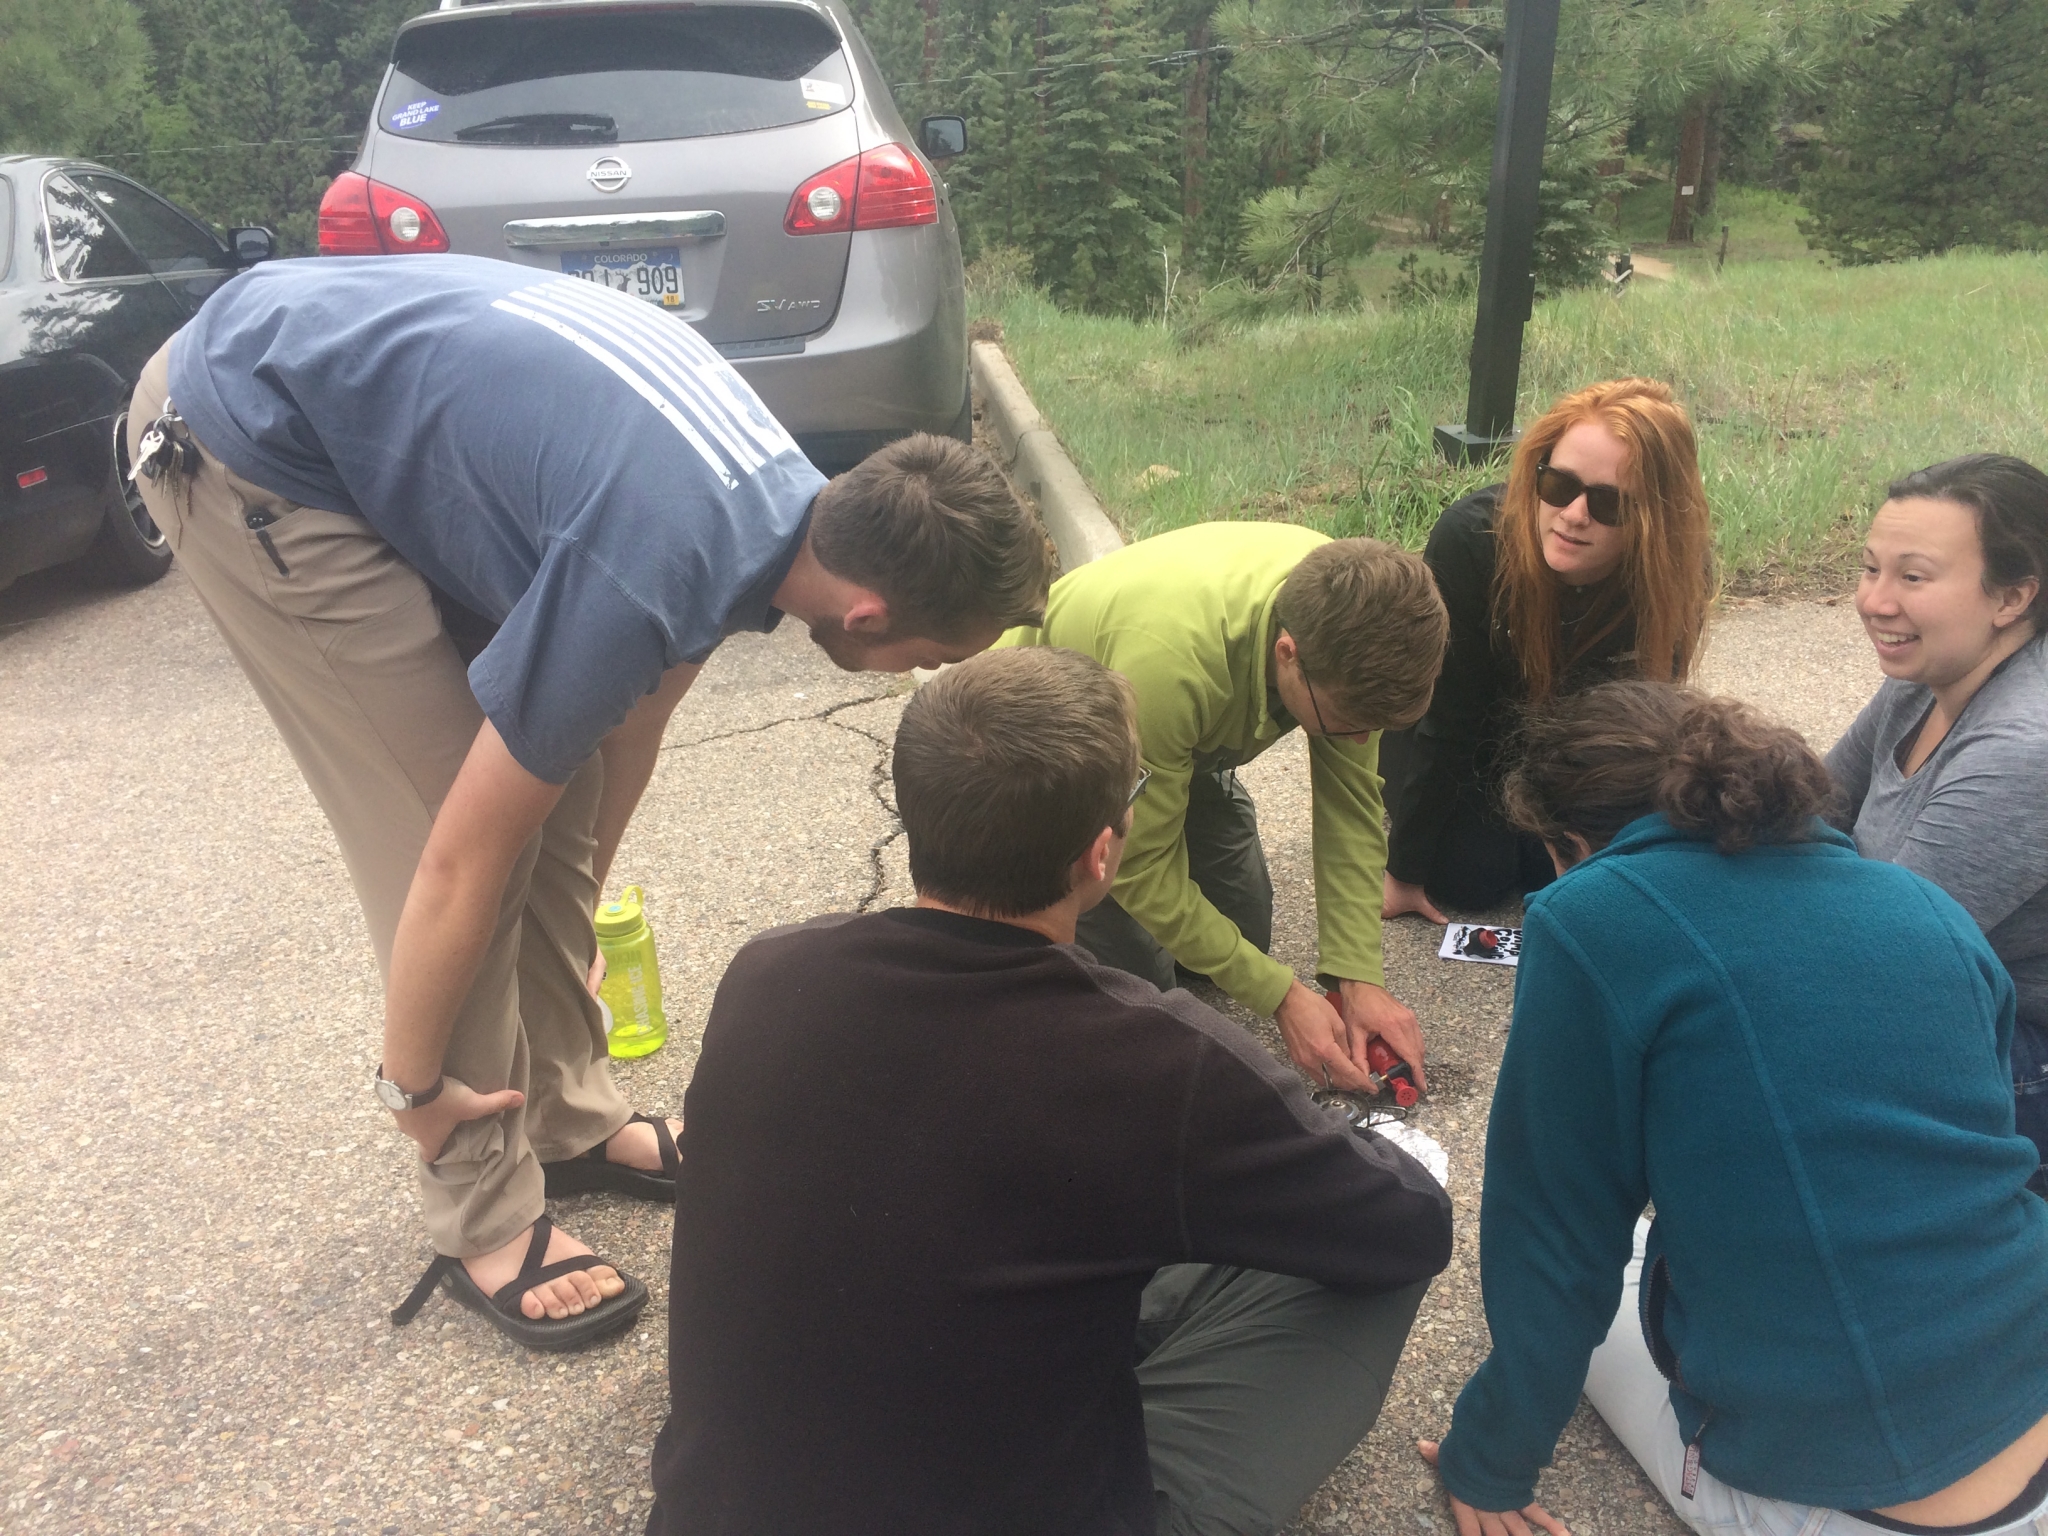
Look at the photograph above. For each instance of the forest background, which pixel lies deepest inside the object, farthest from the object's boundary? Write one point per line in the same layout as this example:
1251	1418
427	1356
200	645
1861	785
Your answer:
1229	243
1232	157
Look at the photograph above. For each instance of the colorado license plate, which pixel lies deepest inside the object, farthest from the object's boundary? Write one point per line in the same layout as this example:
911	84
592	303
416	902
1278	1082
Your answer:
654	275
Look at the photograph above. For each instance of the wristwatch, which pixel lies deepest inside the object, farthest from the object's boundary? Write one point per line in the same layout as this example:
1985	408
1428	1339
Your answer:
397	1100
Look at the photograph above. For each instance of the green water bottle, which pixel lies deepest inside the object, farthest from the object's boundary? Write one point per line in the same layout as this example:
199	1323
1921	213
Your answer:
632	982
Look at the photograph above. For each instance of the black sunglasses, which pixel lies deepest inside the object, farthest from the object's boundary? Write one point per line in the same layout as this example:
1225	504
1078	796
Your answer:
1560	488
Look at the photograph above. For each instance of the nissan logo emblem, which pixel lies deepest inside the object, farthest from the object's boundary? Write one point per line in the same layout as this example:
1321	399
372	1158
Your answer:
609	174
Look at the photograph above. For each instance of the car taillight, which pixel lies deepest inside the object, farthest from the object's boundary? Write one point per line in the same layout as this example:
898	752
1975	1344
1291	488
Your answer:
881	188
361	217
824	204
895	189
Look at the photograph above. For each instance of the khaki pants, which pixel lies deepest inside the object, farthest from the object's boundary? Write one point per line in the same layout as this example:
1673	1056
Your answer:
344	645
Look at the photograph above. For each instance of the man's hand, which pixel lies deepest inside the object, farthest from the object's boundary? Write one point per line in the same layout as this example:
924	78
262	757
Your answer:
597	969
1318	1039
1398	897
1485	1522
492	809
457	1102
1371	1011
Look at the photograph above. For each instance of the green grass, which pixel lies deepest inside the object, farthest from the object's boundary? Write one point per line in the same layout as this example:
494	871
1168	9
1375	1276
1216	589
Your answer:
1811	387
1762	226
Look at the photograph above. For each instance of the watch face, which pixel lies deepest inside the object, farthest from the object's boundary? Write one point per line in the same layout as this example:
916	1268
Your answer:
390	1095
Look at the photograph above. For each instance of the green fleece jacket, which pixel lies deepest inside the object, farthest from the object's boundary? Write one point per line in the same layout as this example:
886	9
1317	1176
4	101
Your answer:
1188	618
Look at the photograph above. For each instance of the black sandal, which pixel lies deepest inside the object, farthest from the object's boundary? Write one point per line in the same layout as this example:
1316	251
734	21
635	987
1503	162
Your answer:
593	1172
609	1316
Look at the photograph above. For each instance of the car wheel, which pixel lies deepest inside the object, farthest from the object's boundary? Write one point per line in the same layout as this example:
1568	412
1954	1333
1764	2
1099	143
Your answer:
131	550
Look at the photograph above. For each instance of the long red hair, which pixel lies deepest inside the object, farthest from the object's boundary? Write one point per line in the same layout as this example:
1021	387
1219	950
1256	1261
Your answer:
1666	578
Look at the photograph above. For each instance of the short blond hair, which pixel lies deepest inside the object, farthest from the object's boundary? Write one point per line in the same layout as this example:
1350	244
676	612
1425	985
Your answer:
1369	629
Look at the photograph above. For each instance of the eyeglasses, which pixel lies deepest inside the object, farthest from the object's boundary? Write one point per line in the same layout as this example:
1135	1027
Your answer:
1316	704
1560	488
1137	789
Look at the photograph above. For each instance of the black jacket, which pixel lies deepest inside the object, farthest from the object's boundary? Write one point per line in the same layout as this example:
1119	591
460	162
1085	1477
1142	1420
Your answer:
930	1163
1454	755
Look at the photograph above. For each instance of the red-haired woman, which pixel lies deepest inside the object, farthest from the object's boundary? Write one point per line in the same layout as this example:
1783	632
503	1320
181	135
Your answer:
1593	562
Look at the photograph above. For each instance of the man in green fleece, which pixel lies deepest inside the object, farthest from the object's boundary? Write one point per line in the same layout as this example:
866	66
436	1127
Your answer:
1232	635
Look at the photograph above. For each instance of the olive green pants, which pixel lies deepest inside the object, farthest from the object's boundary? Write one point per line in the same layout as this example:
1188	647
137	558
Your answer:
1255	1387
345	645
1225	860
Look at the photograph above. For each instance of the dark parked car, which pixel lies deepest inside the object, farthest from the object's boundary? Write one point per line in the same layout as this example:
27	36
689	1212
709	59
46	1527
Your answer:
739	163
95	271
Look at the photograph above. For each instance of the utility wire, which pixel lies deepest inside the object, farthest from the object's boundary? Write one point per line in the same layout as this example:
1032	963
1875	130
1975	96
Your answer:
1218	50
1178	56
202	149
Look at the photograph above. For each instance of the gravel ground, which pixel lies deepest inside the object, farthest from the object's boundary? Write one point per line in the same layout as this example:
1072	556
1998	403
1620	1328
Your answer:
207	1218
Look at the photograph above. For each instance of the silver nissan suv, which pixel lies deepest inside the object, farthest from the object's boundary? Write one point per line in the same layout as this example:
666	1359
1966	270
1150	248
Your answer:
739	163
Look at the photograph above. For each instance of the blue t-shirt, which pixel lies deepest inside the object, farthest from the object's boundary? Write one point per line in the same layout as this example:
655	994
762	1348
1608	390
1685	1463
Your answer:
570	463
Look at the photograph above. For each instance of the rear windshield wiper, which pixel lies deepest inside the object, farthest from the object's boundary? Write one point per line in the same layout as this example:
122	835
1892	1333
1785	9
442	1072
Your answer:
543	128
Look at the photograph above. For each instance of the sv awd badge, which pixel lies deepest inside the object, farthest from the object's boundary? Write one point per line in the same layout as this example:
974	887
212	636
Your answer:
766	306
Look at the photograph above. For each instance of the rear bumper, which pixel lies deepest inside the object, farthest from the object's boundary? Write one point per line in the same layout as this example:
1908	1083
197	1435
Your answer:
894	359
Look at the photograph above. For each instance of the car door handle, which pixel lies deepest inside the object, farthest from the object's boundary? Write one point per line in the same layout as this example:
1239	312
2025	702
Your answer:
616	229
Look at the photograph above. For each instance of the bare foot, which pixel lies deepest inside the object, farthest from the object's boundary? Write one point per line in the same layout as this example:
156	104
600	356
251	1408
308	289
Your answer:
571	1295
633	1144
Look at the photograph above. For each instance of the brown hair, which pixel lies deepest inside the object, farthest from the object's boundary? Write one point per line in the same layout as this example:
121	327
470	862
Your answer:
1667	572
1369	628
1590	763
1007	767
932	525
2010	498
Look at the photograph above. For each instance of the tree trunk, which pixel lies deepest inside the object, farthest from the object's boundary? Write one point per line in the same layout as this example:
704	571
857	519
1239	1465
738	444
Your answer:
1194	139
1710	159
931	38
1613	166
1692	139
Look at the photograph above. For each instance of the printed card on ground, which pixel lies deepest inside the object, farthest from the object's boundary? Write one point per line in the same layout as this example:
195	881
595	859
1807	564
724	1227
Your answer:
1485	945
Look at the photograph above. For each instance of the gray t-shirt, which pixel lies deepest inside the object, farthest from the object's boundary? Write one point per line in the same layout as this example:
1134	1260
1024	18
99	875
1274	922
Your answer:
1974	818
574	465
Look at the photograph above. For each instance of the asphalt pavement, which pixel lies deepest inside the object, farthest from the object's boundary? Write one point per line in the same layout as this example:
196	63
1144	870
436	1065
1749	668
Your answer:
205	1218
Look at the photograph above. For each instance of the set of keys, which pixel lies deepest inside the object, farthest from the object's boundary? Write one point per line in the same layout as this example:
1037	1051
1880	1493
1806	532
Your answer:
162	448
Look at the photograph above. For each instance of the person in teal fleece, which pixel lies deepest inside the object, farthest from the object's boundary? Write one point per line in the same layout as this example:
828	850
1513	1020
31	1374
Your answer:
1840	1318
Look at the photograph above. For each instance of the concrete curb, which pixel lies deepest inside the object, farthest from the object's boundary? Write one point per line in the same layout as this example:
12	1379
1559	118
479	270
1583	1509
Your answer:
1032	456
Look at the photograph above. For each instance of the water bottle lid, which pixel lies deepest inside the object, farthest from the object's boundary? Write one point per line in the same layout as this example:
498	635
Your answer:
617	919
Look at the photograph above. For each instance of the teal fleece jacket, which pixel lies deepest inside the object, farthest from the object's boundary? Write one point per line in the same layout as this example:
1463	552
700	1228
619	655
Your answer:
1800	1056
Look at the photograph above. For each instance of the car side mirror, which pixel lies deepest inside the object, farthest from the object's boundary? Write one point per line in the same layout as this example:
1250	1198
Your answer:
941	138
251	245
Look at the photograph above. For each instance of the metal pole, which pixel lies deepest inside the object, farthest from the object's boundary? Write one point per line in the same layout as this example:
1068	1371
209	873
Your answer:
1507	260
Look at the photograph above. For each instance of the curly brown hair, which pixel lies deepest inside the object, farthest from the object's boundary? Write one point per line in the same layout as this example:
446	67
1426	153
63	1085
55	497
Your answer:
1590	763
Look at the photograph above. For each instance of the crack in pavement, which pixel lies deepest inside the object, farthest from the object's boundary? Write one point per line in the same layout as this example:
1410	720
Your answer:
878	786
878	775
768	725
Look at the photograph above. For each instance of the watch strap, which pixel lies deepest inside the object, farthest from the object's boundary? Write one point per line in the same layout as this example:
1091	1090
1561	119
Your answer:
418	1100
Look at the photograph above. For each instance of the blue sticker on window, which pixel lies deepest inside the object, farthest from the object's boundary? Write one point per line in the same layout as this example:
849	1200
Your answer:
413	114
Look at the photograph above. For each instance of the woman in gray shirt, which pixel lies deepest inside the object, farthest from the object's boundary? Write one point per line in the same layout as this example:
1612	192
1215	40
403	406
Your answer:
1946	769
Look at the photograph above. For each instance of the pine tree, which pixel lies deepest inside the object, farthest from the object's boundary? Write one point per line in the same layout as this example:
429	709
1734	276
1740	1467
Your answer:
1937	135
262	119
1106	190
69	72
994	184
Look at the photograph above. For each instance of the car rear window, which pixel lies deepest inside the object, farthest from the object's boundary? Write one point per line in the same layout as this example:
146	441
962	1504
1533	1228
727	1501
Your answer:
613	76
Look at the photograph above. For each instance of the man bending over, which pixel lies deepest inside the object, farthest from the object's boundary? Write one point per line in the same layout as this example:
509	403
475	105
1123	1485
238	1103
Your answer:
975	1234
1233	634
